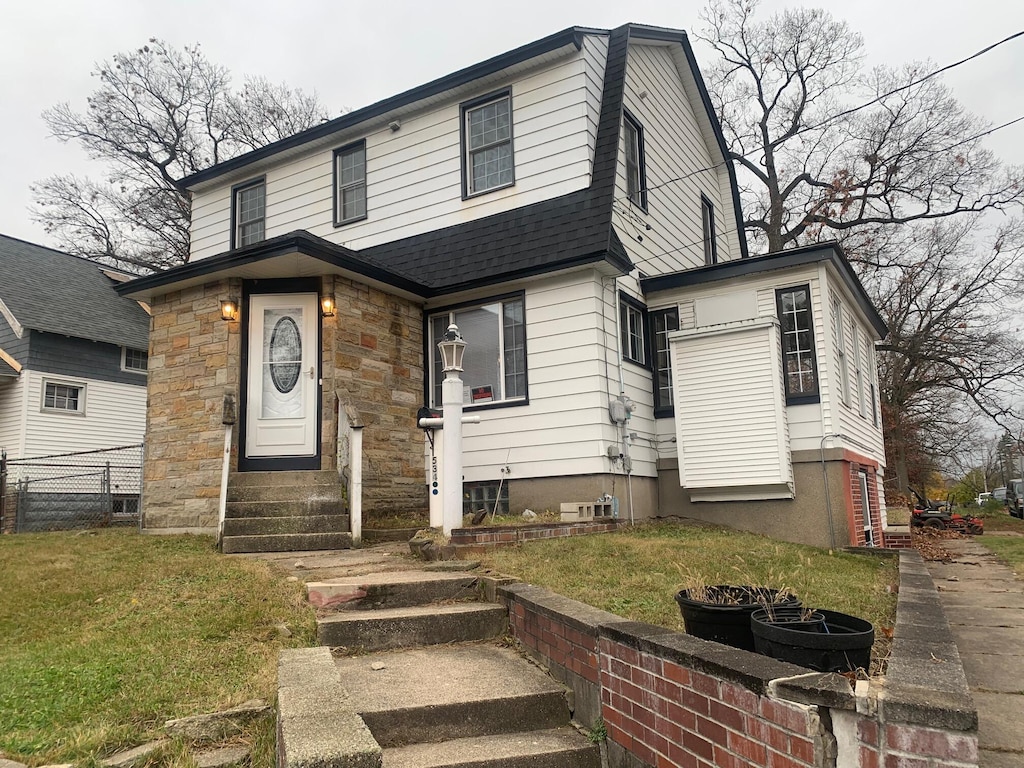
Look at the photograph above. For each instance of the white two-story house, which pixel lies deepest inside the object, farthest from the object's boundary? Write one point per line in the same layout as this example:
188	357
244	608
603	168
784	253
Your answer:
567	204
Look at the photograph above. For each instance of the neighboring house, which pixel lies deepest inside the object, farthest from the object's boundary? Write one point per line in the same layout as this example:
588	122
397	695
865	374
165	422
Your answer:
73	354
569	205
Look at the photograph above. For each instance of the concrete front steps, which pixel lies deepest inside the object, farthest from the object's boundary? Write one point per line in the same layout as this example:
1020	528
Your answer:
432	692
285	512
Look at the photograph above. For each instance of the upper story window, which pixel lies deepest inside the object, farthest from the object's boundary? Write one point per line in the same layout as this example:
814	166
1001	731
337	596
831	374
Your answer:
350	183
636	173
58	396
839	339
249	210
134	359
487	162
494	366
798	360
633	330
858	367
663	322
707	214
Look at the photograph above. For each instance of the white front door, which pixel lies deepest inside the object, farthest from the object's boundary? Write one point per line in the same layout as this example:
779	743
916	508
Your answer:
283	376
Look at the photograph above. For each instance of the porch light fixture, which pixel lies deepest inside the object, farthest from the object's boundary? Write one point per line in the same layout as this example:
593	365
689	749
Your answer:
452	349
327	306
228	310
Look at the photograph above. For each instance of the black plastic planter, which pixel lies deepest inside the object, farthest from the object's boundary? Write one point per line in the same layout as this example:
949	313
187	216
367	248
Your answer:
725	616
840	643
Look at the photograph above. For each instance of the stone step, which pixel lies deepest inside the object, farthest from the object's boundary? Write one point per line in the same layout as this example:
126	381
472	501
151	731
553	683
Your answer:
457	692
286	542
289	477
262	526
550	748
291	508
284	492
390	590
386	628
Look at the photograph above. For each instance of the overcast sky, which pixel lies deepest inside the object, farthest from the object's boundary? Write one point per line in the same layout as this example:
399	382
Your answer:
355	53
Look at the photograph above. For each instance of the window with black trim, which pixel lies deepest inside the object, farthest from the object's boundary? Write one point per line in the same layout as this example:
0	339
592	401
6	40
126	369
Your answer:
487	162
707	214
633	329
249	211
662	322
136	360
494	366
60	396
798	359
350	183
636	173
839	339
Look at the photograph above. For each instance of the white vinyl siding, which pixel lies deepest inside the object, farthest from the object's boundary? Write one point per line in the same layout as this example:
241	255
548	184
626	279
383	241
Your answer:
115	415
678	144
565	429
12	415
728	452
414	174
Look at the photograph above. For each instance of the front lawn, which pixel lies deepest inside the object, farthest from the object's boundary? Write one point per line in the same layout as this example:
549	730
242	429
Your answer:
104	636
635	573
1009	549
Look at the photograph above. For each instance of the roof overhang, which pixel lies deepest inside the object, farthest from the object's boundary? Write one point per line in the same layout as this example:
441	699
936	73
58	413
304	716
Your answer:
830	253
9	367
297	254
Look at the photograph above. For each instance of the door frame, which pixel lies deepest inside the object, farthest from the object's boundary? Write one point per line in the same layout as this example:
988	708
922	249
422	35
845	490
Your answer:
272	463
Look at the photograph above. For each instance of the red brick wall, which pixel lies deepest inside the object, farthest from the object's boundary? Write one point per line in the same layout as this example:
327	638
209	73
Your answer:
513	534
858	507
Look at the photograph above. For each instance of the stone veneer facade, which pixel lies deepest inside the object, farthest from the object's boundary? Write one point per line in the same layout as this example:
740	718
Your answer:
371	361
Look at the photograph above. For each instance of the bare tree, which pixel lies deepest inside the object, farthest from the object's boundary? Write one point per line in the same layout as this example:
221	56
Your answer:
817	167
158	115
902	183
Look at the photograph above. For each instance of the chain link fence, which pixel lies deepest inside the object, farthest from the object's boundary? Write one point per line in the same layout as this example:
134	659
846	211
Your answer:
88	489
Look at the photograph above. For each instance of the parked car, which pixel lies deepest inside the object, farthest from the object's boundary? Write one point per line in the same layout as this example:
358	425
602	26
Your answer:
1015	498
999	494
982	498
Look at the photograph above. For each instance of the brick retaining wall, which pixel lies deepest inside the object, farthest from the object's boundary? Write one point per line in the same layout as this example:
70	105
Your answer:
468	540
671	700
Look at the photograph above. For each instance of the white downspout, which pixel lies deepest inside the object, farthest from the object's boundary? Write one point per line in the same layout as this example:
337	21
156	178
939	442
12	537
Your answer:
355	505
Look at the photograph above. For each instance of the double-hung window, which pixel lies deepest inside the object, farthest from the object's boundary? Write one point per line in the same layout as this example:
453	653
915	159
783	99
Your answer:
858	363
663	322
707	213
60	396
839	338
350	183
249	211
636	174
632	330
494	365
798	360
487	162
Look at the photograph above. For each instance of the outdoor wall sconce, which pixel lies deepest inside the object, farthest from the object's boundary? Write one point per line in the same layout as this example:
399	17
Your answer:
327	306
228	310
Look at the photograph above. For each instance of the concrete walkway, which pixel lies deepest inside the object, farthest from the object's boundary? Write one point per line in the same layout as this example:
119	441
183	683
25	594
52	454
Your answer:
984	604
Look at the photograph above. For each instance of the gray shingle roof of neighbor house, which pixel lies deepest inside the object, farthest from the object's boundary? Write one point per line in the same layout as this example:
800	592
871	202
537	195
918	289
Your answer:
55	292
554	234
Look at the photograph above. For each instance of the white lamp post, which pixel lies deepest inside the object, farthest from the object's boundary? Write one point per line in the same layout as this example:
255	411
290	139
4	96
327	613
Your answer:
452	349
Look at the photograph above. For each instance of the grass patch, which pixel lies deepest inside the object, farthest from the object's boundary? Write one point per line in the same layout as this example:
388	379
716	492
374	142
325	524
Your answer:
1009	549
107	635
635	573
997	518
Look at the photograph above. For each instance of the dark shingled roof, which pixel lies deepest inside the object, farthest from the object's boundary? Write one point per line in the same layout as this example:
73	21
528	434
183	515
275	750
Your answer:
6	369
54	292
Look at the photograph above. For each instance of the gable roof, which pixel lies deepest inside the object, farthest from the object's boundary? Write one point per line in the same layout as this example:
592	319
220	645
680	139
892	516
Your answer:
54	292
830	252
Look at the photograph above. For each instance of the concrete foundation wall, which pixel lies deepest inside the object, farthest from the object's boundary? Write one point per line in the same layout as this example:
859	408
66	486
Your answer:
548	493
801	520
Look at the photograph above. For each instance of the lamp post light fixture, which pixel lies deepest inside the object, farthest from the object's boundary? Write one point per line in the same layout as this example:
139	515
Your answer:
452	349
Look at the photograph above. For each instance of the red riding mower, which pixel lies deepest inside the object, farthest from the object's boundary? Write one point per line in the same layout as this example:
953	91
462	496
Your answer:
928	513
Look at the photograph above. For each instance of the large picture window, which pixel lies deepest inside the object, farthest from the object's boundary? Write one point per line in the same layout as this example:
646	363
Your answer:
494	367
350	184
798	360
663	322
487	144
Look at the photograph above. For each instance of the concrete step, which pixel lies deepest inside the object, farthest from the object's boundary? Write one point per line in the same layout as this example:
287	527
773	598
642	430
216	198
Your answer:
262	526
286	542
285	492
290	477
458	692
390	590
291	508
386	628
551	748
